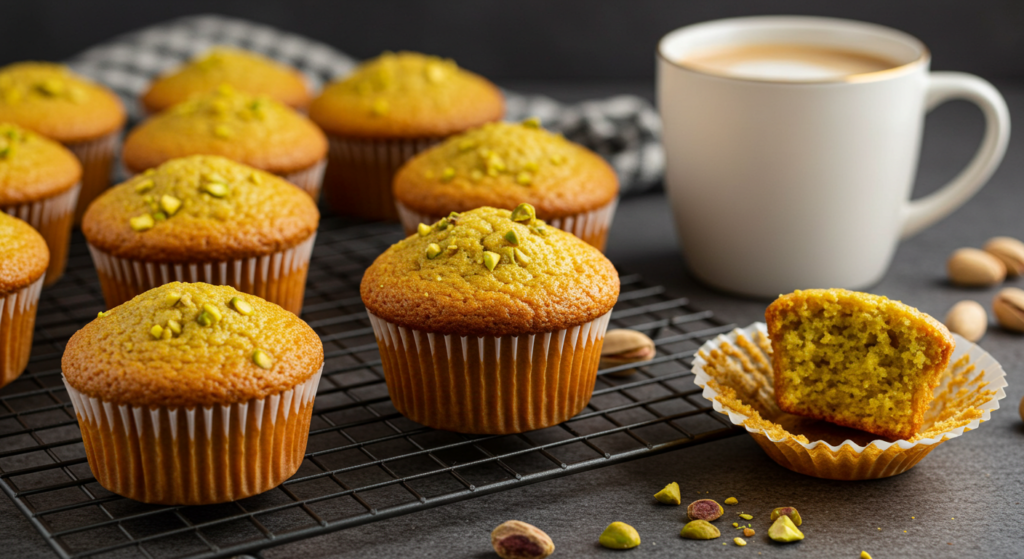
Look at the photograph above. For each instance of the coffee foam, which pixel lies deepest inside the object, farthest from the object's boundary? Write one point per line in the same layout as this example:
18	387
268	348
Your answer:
785	62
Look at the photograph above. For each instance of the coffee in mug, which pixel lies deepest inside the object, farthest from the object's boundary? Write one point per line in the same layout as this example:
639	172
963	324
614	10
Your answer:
785	62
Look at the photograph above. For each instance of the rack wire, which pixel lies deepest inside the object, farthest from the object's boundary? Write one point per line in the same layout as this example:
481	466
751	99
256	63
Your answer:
365	462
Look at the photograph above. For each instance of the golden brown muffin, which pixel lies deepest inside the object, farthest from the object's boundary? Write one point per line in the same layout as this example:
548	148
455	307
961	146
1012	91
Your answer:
208	210
39	181
23	261
856	359
243	70
23	254
214	386
502	164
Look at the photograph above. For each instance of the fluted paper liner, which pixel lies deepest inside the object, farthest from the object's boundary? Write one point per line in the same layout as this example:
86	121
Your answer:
279	277
735	372
590	226
97	159
52	218
17	321
490	385
198	456
360	171
309	179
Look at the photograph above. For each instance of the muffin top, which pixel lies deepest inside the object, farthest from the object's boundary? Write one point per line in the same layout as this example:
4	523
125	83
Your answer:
23	254
202	208
501	164
406	95
191	344
57	103
254	130
33	167
241	69
490	272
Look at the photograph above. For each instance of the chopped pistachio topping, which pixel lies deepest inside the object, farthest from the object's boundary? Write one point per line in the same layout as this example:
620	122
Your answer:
156	331
524	178
524	212
172	298
746	517
433	249
101	314
448	174
453	248
241	306
540	230
423	229
223	131
144	186
467	144
174	327
512	237
169	204
256	178
491	259
142	223
51	86
521	257
216	189
160	216
261	359
213	311
443	224
557	159
381	107
204	319
532	122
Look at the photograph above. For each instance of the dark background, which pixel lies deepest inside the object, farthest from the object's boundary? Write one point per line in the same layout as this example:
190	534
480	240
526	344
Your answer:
518	41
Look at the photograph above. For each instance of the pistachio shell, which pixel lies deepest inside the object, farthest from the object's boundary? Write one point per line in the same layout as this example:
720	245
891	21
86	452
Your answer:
967	318
1010	251
1008	306
519	540
622	346
791	512
971	267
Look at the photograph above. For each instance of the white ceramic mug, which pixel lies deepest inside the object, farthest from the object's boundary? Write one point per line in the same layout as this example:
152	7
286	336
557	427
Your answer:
783	185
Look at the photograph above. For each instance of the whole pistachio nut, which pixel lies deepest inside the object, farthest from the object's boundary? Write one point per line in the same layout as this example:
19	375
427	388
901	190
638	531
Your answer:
619	535
791	512
699	530
1008	306
669	495
519	540
971	267
784	531
1010	251
967	318
704	509
623	346
521	258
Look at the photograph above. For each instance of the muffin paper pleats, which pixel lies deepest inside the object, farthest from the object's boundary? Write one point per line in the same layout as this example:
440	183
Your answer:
52	218
203	455
309	179
97	159
17	321
490	385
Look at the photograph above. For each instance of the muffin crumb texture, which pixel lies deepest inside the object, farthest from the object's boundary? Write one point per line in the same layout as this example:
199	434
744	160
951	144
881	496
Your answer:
33	167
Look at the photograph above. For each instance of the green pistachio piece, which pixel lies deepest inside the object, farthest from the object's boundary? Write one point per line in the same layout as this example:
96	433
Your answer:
453	248
256	178
7	151
169	204
101	314
619	535
143	222
172	298
223	131
216	189
784	531
524	178
433	250
160	216
51	87
261	359
491	259
540	231
214	177
204	319
213	311
532	122
521	257
557	159
448	174
669	495
524	212
144	186
699	530
174	326
739	541
241	306
746	517
466	145
512	237
156	331
731	501
423	229
443	224
791	512
380	107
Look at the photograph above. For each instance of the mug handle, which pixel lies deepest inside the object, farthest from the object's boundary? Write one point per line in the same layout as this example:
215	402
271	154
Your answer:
945	86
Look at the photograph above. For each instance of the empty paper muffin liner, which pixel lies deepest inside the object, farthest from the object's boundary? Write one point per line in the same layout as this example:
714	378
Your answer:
490	385
17	321
52	218
279	277
198	456
590	226
309	179
359	174
97	159
735	372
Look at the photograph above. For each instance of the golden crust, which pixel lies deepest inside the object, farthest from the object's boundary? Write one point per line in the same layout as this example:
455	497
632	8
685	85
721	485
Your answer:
261	214
566	282
32	167
256	131
243	70
57	103
503	165
24	256
406	95
116	358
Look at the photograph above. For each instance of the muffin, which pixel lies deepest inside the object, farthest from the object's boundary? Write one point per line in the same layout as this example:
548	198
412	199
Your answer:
254	130
490	321
203	218
193	394
39	183
243	70
856	359
84	116
23	261
501	164
389	109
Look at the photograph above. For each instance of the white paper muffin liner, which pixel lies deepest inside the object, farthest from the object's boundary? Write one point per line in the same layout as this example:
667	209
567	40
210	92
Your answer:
849	460
360	172
493	385
590	226
52	218
279	277
203	455
97	159
17	321
309	179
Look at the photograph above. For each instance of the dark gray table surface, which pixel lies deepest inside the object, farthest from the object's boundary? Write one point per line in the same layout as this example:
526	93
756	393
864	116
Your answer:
963	500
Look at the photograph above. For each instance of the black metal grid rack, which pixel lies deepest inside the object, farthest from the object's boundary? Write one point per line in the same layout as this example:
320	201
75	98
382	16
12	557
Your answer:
364	461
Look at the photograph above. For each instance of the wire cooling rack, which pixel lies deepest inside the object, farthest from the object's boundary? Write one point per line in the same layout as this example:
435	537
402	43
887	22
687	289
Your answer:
365	462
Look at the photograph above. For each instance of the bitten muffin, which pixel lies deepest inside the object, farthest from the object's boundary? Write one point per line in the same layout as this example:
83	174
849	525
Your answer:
84	116
490	321
856	359
23	261
389	109
243	70
39	183
254	130
193	394
203	218
502	164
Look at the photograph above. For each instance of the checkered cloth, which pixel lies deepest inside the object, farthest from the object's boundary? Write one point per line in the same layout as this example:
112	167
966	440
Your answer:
624	129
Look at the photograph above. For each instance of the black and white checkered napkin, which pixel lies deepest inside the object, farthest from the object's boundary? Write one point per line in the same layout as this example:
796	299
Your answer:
624	129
